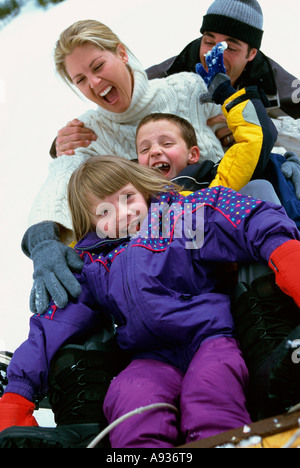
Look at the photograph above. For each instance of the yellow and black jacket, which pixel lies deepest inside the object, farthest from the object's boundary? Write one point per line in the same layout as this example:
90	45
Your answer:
254	134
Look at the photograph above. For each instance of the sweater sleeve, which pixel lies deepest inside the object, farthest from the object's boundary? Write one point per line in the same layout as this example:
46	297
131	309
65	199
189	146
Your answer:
51	202
288	134
255	136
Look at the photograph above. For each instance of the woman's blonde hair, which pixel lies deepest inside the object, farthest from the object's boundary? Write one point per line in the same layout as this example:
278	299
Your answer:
80	33
102	176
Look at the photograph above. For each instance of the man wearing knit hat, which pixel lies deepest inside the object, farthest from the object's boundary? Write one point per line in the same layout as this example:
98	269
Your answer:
240	24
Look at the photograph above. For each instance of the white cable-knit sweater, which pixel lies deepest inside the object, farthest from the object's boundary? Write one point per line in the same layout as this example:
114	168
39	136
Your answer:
177	94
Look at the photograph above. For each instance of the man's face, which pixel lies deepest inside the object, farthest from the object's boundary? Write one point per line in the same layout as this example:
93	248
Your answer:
236	56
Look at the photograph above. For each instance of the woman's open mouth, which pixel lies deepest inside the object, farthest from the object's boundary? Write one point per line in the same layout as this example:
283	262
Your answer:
109	94
106	91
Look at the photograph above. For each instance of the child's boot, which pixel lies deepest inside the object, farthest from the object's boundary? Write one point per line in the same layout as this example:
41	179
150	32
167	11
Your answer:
79	378
268	329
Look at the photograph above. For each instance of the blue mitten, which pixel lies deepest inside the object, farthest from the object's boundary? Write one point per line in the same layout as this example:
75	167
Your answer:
215	63
291	170
53	264
216	75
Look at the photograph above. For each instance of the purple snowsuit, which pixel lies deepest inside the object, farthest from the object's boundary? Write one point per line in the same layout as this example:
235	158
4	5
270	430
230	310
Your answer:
160	289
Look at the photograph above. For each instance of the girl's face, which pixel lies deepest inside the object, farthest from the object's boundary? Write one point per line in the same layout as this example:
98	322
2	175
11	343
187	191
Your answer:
101	76
118	215
161	146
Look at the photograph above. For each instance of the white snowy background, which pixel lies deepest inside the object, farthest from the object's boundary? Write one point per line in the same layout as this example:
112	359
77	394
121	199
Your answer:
35	103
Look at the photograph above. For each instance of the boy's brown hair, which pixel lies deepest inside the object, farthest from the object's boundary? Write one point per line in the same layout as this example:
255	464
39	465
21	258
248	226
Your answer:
186	129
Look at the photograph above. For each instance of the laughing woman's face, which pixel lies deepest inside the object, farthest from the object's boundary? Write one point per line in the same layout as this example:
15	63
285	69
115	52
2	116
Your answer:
102	76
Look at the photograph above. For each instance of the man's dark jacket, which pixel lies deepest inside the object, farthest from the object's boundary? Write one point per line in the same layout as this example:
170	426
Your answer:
263	72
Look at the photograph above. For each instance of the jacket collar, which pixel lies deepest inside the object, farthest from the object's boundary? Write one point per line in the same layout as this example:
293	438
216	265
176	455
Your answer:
91	241
259	72
196	176
187	59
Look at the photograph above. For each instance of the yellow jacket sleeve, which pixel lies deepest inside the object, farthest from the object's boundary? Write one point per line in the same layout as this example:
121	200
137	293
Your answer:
254	134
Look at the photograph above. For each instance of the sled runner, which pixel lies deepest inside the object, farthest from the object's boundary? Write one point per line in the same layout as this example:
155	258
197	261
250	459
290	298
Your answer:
282	431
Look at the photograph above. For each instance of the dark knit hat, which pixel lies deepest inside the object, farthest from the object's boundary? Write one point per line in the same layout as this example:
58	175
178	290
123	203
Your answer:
241	19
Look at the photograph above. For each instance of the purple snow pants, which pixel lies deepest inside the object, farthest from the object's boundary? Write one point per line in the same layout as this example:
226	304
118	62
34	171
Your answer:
210	397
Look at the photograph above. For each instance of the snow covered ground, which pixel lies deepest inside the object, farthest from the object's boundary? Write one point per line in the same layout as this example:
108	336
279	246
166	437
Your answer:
35	103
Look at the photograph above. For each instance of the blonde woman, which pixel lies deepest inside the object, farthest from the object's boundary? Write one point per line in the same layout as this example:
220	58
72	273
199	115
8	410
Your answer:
94	61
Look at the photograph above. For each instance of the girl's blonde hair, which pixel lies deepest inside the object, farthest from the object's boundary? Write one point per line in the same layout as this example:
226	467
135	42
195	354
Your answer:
102	176
80	33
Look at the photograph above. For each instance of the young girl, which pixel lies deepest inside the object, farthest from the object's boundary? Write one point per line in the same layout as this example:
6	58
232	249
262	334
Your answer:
150	257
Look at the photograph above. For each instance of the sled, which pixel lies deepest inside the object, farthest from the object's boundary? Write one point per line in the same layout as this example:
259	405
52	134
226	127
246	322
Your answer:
281	431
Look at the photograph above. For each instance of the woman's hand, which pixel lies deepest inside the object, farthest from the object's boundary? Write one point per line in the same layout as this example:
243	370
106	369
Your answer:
224	134
54	264
74	135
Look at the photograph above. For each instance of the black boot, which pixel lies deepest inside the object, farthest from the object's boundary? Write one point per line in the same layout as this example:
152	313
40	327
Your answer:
73	436
268	327
79	378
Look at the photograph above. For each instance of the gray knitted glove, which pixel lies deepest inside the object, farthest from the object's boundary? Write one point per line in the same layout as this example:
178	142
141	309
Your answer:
291	170
53	264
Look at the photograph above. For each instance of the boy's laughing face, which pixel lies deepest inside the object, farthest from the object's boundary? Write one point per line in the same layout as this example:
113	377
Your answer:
161	147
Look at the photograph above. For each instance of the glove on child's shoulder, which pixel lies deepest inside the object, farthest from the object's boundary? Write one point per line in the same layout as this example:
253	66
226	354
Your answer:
53	263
